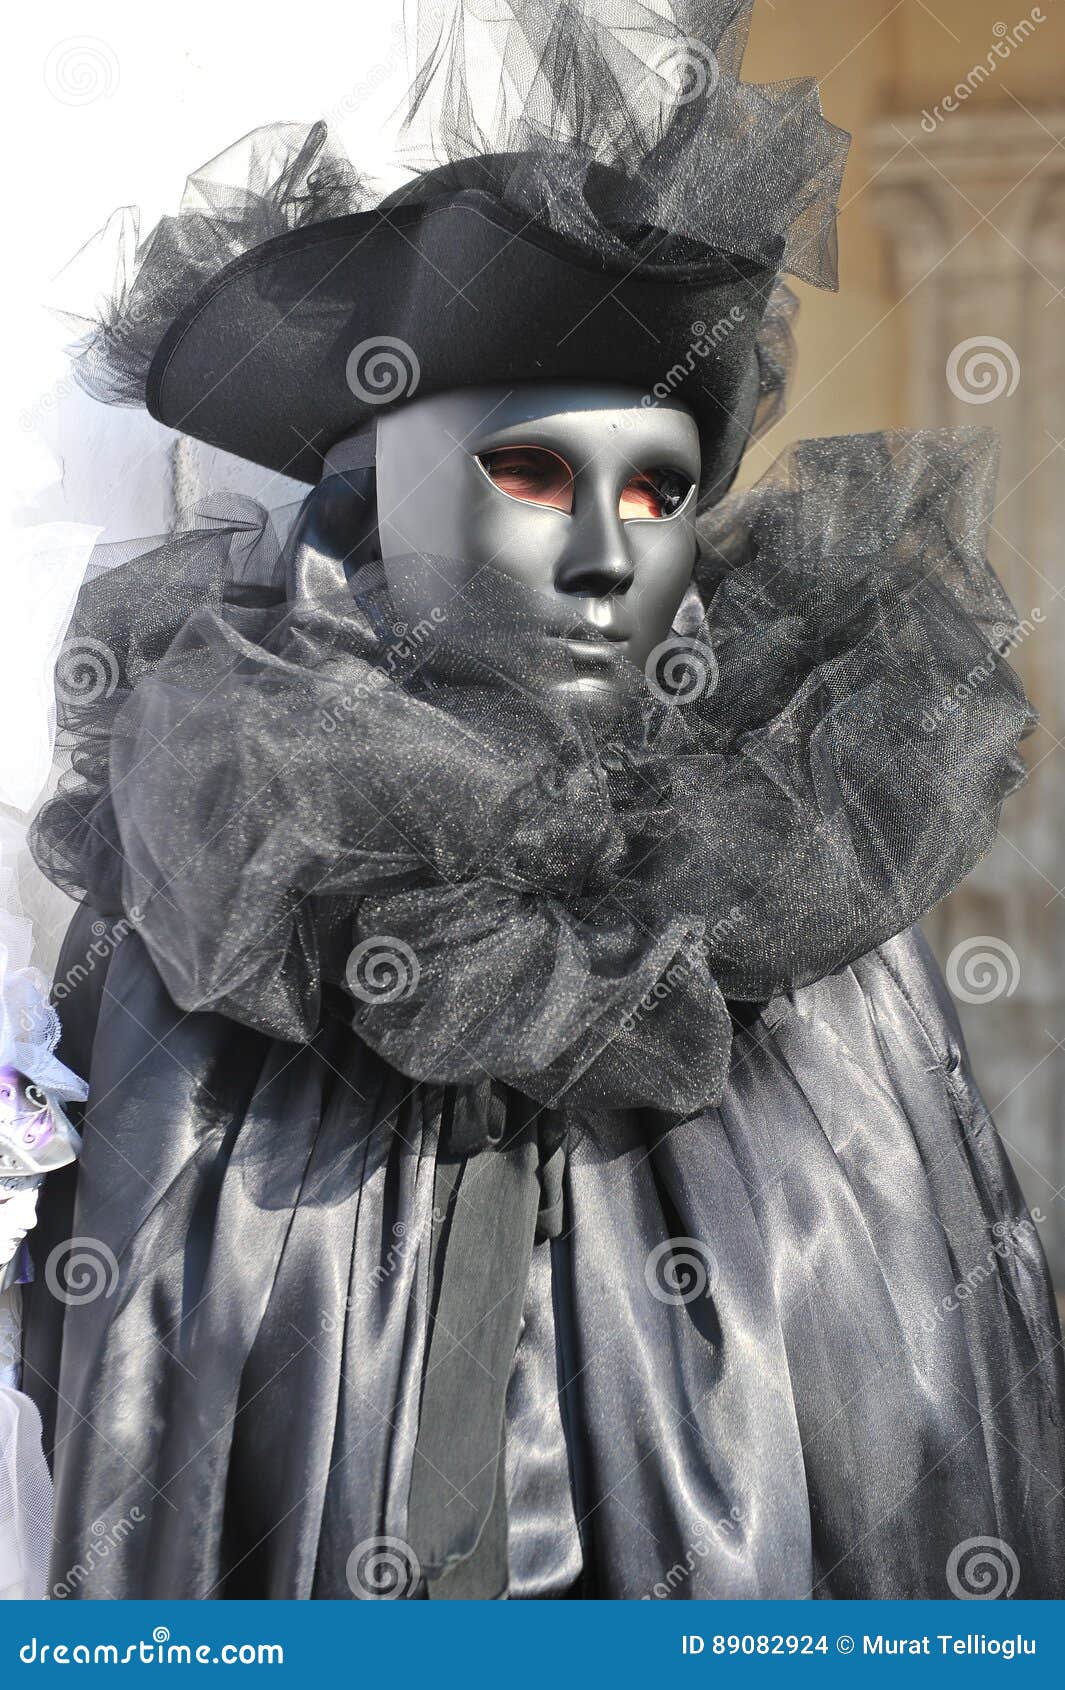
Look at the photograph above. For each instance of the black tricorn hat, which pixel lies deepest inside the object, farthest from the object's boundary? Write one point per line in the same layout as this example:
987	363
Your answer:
628	224
305	339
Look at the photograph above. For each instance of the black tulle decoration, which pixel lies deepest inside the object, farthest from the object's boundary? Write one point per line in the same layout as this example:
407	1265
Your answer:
625	128
306	806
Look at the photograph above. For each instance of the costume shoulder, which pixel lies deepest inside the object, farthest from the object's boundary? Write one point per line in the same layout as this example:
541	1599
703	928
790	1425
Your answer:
908	994
877	1046
905	968
977	1194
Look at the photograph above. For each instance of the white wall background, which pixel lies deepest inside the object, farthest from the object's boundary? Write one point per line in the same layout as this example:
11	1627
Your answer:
114	104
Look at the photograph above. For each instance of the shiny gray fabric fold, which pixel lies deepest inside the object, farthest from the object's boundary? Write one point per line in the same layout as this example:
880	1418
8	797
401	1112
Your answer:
736	1372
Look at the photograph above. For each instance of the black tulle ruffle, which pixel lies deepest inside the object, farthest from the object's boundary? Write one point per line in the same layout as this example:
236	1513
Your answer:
319	805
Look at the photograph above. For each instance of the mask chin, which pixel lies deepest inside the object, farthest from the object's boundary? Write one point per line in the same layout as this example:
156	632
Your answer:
602	701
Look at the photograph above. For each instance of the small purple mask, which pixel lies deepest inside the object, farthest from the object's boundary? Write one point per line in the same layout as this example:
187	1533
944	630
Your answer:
35	1135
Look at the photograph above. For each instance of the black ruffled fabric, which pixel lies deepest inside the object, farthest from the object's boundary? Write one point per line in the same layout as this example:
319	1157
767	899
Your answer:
295	798
627	129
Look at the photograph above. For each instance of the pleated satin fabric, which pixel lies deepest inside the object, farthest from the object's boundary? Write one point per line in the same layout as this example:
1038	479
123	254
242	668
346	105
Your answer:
744	1367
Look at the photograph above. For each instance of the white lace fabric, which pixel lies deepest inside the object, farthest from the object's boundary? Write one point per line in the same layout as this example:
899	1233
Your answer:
25	1483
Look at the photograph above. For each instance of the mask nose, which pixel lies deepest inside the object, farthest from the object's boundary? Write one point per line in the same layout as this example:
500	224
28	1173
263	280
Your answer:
596	562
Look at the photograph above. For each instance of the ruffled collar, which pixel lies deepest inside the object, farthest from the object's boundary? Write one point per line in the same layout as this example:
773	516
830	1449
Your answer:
291	801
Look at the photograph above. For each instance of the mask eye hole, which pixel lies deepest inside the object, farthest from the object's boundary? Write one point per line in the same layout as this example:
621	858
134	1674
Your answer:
654	494
532	474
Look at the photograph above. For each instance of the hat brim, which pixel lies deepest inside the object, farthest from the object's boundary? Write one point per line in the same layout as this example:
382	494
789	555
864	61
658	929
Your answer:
307	338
